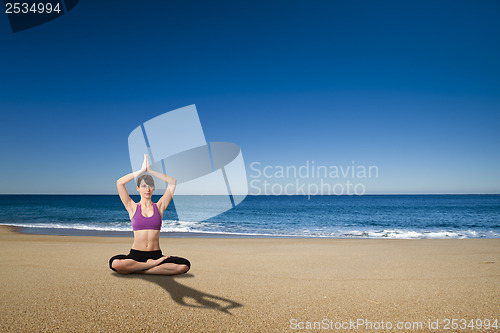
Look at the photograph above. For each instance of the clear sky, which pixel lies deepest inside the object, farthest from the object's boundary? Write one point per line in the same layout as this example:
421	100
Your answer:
412	87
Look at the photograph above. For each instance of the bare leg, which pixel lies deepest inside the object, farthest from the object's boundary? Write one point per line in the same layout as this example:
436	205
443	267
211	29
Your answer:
165	269
127	266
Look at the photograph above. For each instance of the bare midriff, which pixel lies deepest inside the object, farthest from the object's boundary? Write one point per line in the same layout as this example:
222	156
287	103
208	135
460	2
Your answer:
146	240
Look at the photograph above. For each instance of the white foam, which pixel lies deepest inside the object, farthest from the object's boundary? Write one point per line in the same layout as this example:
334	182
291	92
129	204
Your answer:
209	228
69	226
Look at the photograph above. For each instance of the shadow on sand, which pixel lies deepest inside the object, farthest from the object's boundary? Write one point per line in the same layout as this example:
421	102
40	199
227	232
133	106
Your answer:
180	293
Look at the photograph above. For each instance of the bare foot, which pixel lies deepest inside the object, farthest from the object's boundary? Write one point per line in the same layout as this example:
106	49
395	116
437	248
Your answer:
157	261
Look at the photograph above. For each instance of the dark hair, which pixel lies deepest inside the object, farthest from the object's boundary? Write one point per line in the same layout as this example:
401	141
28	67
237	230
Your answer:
148	179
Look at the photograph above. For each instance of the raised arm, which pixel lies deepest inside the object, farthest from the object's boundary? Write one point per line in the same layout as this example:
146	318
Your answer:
164	201
122	191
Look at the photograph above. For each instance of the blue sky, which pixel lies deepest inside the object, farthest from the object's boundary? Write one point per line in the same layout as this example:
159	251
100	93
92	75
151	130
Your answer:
412	87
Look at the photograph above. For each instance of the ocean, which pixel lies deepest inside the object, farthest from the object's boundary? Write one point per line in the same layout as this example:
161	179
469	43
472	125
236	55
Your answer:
367	216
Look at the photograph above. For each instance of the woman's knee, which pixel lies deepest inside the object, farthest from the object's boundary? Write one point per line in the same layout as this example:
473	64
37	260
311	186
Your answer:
117	264
182	268
183	265
122	267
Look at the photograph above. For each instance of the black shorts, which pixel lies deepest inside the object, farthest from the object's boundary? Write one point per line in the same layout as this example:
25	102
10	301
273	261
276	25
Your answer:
143	256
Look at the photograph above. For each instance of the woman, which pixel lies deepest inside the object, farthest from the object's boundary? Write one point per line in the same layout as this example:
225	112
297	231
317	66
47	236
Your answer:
145	256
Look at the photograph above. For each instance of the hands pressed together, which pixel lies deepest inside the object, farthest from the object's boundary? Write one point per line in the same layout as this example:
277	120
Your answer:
145	165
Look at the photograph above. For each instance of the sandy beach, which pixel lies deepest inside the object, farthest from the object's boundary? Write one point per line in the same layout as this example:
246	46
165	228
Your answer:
63	283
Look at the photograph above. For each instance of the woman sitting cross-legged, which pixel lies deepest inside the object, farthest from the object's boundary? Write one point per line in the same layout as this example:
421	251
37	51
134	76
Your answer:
145	256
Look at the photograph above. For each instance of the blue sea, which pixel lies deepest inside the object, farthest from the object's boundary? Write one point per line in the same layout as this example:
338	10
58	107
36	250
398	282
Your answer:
367	216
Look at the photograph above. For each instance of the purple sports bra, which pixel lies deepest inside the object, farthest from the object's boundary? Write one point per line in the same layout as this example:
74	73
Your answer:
140	222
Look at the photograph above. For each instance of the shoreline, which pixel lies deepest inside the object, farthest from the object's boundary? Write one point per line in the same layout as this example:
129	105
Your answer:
109	233
254	284
179	234
128	234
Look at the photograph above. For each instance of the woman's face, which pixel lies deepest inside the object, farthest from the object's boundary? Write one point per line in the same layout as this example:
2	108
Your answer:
145	190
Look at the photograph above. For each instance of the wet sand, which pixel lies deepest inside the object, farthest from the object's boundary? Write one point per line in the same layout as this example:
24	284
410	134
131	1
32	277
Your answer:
63	283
